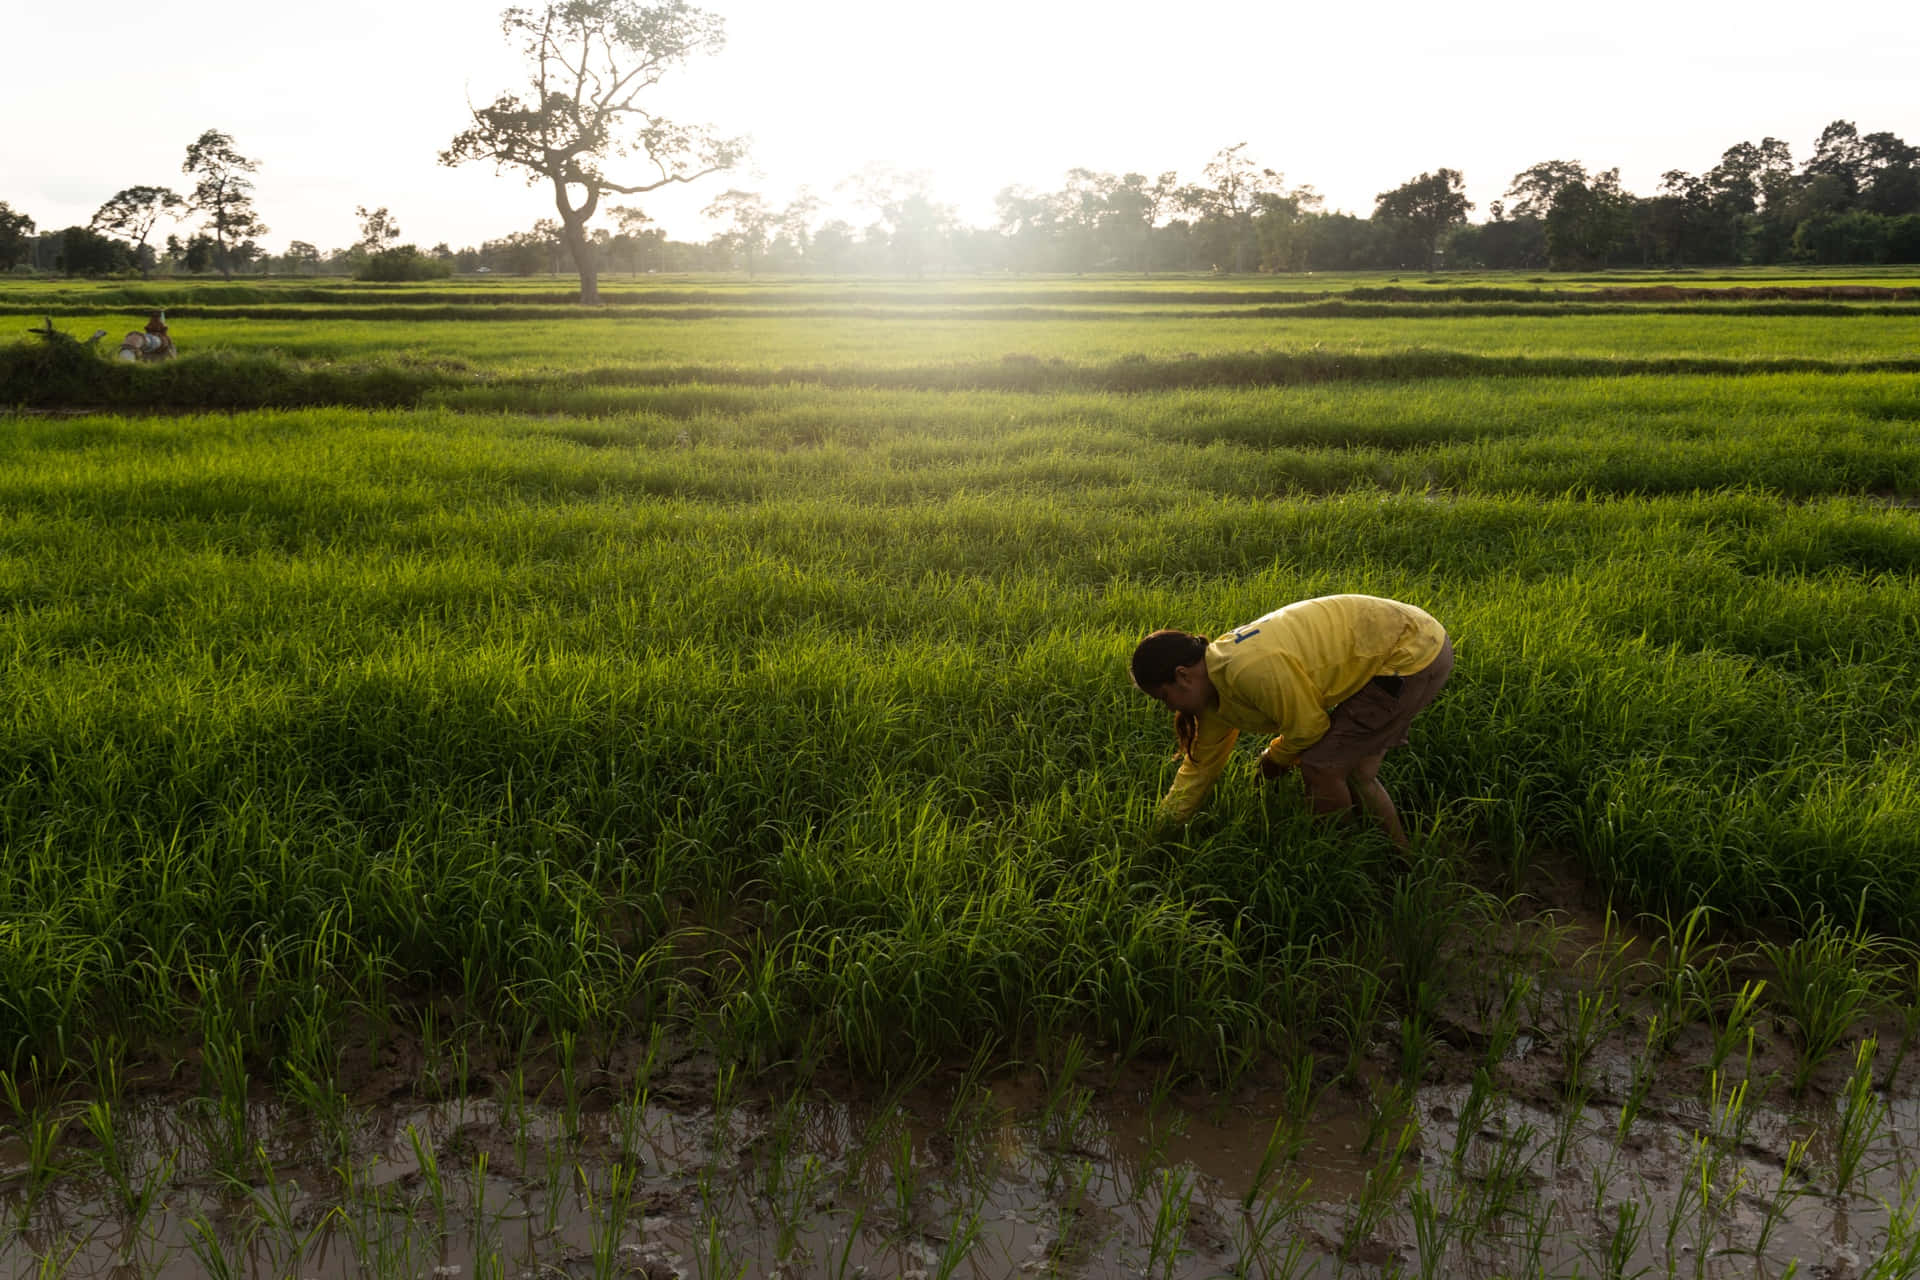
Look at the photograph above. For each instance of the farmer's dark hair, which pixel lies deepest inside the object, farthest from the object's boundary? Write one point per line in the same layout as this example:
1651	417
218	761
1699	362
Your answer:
1154	661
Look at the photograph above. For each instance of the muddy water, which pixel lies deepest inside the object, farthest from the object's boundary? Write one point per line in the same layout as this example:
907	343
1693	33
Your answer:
1008	1178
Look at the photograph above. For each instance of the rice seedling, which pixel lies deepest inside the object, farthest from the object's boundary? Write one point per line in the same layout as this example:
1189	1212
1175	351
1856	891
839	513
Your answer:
607	1215
219	1256
1503	1021
1378	1192
1500	1188
1825	984
52	1264
1432	1231
1639	1082
1265	1241
1688	977
479	1219
41	1128
1788	1189
841	1268
427	1160
1166	1240
1860	1119
1735	1024
1899	1256
903	1175
1620	1245
1907	1007
962	1235
1471	1117
1713	1179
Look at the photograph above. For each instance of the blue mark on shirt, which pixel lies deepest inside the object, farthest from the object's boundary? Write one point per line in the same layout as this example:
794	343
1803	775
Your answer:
1238	636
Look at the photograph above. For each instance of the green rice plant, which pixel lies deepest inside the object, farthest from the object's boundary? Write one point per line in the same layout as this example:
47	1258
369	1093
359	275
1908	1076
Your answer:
1536	1225
1567	1123
1824	986
962	1235
1432	1231
1787	1190
1736	1024
274	1200
1471	1118
1362	997
518	1114
1860	1119
1689	976
1380	1189
1713	1179
566	1044
1167	1237
1503	1021
480	1222
136	1190
51	1264
1907	1007
841	1268
903	1176
308	1071
793	1203
427	1160
714	1256
1501	1186
41	1127
1899	1256
1590	1010
1639	1082
1418	1040
224	1070
1613	1260
1165	1121
1424	911
218	1256
607	1216
1256	1229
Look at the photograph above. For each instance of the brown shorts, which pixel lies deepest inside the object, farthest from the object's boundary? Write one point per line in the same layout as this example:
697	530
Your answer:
1374	720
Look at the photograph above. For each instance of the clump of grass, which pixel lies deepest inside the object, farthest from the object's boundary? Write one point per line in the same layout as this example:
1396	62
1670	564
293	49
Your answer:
1825	984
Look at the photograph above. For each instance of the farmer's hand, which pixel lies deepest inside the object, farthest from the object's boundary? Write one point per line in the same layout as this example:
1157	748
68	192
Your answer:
1272	770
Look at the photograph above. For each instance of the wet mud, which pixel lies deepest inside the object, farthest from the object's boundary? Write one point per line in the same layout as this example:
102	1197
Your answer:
1114	1172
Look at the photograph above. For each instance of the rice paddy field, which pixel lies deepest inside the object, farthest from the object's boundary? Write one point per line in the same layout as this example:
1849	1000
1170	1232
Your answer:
500	789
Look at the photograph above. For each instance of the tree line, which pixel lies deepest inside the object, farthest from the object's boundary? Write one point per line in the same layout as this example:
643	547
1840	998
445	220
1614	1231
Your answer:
583	126
1854	199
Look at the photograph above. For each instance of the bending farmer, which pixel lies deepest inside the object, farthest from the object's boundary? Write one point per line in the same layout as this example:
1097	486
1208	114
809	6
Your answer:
1336	681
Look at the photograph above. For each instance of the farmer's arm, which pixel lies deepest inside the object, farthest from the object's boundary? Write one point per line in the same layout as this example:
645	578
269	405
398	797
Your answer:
1282	691
1211	748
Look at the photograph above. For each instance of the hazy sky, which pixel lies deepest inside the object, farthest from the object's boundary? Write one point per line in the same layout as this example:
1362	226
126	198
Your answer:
349	102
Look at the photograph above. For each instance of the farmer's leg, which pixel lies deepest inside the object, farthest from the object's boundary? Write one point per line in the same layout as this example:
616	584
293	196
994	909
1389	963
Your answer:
1327	790
1366	781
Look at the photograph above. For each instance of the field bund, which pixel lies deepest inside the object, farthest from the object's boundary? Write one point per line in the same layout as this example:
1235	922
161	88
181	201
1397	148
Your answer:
434	699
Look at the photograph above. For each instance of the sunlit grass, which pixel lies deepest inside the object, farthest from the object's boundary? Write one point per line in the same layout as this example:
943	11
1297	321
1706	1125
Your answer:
602	706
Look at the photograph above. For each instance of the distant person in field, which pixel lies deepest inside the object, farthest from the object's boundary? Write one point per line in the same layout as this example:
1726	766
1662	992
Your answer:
1336	681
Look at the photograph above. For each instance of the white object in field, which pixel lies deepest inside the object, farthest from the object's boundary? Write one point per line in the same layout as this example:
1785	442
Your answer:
137	344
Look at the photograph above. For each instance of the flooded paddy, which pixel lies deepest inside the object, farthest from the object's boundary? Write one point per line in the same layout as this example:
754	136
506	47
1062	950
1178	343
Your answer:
1091	1169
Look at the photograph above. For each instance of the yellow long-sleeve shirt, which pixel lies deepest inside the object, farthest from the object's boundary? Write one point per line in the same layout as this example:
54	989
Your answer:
1279	675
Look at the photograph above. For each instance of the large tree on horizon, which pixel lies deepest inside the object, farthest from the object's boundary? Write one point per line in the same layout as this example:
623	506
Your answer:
16	230
133	213
224	193
1421	209
590	63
